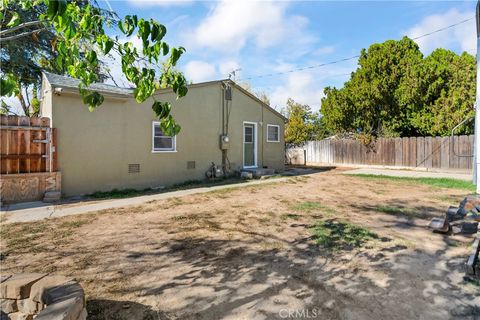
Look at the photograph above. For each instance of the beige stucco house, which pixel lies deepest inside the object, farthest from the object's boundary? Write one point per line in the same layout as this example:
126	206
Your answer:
120	145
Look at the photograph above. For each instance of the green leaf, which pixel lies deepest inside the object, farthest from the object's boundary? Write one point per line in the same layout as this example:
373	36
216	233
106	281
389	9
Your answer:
52	9
15	21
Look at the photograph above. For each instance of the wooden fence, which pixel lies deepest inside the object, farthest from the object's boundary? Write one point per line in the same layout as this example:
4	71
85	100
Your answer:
27	145
418	152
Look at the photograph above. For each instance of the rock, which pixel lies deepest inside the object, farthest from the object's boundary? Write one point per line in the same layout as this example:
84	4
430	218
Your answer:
18	286
4	278
63	292
83	315
20	316
246	175
69	309
8	305
28	306
39	287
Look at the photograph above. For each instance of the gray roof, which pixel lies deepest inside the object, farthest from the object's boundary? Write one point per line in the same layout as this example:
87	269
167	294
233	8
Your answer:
72	83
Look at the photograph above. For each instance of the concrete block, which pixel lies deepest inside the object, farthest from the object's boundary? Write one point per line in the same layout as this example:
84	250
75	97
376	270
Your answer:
69	309
62	292
28	306
39	287
52	196
18	286
8	305
20	316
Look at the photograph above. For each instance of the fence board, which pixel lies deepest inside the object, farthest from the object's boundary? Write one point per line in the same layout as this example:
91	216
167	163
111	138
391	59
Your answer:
427	152
24	146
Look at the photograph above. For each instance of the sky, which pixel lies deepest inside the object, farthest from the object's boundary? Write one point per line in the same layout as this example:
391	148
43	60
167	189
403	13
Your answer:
265	37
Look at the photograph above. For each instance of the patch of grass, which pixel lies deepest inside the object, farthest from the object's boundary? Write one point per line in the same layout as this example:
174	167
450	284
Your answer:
119	193
190	184
310	206
436	182
399	211
335	235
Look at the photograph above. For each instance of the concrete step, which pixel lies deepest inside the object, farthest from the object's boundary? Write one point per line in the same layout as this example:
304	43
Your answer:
260	172
52	196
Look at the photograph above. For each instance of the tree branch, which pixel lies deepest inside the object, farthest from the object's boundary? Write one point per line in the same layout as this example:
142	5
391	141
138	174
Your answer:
20	26
21	35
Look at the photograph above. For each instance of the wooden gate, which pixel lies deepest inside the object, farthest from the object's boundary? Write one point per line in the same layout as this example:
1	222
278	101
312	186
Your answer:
28	145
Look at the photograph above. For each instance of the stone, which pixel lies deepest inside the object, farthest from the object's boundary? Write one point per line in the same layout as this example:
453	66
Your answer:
69	309
28	306
62	292
83	315
8	305
39	287
52	196
18	286
246	175
20	316
5	278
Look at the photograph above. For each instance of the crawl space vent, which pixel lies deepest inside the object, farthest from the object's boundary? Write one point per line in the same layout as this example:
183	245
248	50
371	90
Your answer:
133	168
190	164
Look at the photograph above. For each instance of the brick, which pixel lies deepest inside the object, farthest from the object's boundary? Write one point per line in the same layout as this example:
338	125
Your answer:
28	306
69	309
43	284
18	286
8	305
62	292
20	316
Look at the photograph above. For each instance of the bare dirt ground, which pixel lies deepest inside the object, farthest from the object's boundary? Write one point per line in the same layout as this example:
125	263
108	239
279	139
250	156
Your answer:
249	254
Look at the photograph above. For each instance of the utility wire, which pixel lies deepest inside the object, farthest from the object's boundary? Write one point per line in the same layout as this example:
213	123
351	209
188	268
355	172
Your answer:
350	58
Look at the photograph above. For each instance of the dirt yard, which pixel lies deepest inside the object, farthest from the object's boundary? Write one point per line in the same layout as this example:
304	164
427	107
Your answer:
262	252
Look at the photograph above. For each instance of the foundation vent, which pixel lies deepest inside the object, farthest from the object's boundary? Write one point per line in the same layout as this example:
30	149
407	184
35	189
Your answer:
190	164
133	168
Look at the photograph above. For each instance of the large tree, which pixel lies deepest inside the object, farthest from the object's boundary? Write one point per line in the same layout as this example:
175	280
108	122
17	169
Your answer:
395	91
79	39
303	124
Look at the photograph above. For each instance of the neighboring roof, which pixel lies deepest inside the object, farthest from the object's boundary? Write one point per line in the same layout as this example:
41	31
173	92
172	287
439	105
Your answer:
71	83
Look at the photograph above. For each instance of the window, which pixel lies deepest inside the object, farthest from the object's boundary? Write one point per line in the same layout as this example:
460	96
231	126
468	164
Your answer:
273	133
248	134
161	142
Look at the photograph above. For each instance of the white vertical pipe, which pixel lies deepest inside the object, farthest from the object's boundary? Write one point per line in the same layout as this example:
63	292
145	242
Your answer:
476	169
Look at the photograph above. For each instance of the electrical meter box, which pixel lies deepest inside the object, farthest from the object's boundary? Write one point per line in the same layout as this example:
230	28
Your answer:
224	142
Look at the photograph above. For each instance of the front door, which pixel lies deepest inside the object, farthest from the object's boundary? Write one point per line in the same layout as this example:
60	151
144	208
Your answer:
249	145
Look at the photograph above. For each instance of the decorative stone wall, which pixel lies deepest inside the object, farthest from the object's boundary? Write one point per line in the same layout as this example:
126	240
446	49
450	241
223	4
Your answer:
39	296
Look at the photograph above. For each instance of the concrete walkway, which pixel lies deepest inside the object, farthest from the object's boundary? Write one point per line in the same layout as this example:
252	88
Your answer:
411	173
34	211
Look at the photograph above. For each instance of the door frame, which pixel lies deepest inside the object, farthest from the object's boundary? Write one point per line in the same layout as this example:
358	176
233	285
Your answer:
255	144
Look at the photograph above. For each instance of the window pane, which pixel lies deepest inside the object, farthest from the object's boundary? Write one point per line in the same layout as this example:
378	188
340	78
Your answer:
248	134
163	143
158	131
272	133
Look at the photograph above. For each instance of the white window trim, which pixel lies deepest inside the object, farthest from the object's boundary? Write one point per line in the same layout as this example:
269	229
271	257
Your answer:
255	153
162	150
278	127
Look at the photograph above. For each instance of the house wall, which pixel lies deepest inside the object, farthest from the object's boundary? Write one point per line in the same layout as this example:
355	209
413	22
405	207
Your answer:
96	148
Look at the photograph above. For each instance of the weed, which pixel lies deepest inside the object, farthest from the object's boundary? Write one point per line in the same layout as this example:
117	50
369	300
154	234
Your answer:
436	182
335	235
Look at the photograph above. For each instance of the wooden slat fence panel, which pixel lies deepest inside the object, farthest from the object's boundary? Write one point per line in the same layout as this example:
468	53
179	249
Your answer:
424	152
26	145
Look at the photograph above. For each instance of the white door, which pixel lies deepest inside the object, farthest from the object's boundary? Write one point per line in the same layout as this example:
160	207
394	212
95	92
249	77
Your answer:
249	145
